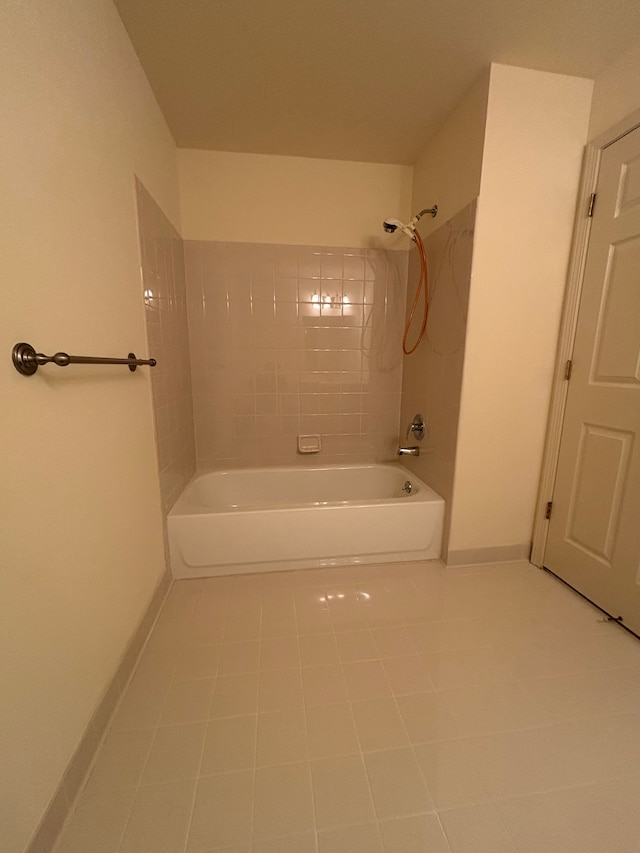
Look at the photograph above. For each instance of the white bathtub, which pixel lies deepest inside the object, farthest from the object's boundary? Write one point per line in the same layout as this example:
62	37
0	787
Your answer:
270	519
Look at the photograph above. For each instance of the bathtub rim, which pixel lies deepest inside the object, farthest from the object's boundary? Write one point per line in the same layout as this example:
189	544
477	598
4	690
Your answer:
184	508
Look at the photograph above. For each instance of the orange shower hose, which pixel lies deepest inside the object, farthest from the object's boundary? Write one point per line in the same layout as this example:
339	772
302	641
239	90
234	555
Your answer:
423	282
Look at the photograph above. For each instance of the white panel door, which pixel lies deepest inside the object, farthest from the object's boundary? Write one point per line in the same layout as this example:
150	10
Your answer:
594	531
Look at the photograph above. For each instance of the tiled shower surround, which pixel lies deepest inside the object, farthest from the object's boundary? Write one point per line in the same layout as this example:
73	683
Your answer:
432	377
162	260
289	340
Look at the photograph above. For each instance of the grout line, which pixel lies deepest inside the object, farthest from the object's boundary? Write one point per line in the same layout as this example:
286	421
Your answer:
306	726
206	731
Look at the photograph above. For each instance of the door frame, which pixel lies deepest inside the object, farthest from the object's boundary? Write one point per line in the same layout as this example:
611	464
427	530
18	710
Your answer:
568	324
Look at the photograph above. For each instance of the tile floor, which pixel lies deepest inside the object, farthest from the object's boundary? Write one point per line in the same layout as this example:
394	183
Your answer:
400	708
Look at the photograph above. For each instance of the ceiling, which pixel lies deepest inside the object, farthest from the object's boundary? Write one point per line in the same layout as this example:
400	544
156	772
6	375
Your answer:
367	80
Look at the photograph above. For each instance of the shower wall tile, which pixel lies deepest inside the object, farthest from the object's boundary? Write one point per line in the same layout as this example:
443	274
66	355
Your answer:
432	376
294	339
164	286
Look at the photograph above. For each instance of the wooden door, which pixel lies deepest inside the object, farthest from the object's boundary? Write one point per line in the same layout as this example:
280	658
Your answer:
594	530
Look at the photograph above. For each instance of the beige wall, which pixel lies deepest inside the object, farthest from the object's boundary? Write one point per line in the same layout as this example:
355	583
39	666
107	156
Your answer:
82	536
448	171
536	130
260	198
616	92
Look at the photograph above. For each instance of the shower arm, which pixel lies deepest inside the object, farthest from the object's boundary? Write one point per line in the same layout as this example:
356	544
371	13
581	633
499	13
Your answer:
432	210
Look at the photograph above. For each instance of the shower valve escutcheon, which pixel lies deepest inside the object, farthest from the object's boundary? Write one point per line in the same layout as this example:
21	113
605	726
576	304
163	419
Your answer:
417	428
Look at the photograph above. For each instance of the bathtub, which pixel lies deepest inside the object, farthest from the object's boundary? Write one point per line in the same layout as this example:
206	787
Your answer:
270	519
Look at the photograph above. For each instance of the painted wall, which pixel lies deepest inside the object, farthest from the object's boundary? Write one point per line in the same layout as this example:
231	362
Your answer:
81	525
535	134
448	171
260	198
616	93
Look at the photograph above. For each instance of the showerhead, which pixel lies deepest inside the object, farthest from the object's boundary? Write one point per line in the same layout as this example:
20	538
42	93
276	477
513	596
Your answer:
392	225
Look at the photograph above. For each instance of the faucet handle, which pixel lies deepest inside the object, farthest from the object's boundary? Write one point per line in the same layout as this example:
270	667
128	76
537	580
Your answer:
417	428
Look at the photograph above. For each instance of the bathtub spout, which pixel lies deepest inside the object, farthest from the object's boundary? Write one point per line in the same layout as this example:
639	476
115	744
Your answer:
409	451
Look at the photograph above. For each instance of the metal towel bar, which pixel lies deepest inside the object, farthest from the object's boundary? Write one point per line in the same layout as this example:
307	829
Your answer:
26	360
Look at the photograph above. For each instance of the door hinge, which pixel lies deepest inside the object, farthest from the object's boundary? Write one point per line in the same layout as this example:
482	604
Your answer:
548	512
568	367
592	204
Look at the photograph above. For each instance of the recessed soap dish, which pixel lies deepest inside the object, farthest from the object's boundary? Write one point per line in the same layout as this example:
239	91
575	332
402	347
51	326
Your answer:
309	444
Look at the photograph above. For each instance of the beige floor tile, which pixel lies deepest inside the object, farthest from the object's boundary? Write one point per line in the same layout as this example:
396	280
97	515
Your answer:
205	630
331	731
488	709
283	801
239	656
553	821
425	718
276	595
319	650
451	774
282	738
507	685
280	690
477	829
175	754
222	812
278	624
351	839
407	675
607	817
98	823
160	818
120	760
610	745
348	615
230	745
468	667
279	653
586	694
293	844
235	695
425	636
379	724
341	792
140	707
324	685
311	598
187	702
211	607
366	680
527	762
157	665
314	622
171	631
417	834
235	848
392	642
356	646
184	593
242	625
198	662
397	786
